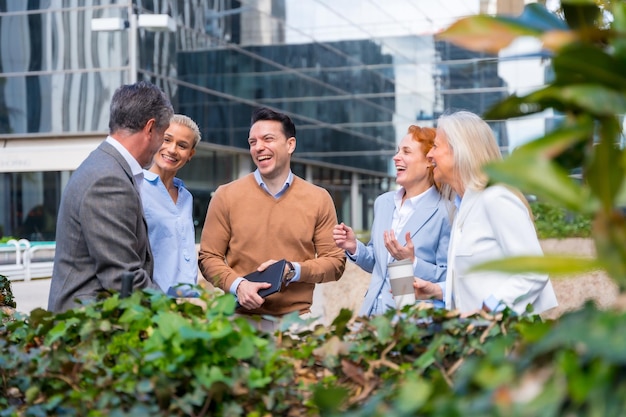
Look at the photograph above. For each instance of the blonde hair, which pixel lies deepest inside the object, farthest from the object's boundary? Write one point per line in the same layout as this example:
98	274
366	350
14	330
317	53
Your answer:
181	119
473	145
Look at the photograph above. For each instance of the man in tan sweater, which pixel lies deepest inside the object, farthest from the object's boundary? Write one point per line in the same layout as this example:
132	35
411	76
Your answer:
269	215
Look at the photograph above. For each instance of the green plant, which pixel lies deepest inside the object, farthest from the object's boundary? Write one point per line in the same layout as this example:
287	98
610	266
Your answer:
588	89
552	221
148	354
6	294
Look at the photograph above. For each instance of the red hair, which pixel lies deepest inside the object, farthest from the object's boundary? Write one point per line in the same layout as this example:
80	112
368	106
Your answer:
425	136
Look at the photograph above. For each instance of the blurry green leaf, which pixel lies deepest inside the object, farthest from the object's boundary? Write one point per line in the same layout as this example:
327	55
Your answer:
610	239
490	377
565	145
591	98
111	303
548	264
583	15
60	330
585	64
329	399
39	316
606	170
484	33
169	323
594	99
207	376
189	333
414	393
514	106
134	313
340	323
589	333
557	141
619	26
257	379
383	326
244	349
532	332
539	176
491	34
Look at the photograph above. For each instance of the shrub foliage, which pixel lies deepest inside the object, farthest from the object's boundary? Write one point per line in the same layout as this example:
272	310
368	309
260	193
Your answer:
151	355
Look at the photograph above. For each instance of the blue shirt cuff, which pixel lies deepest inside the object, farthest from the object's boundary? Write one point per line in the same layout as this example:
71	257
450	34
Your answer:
493	304
298	268
235	284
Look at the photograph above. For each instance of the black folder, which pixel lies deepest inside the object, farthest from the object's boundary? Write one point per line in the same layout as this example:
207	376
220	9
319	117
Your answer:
273	274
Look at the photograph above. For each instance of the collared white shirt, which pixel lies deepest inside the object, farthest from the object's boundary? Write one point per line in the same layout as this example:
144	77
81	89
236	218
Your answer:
135	168
403	212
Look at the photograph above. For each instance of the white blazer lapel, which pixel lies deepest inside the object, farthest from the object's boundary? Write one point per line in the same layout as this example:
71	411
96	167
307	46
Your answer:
467	202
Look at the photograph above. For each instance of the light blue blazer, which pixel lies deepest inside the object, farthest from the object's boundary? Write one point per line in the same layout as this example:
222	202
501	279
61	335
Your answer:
430	232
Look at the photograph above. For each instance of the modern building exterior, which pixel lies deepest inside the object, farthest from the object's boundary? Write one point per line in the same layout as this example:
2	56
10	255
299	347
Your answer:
351	93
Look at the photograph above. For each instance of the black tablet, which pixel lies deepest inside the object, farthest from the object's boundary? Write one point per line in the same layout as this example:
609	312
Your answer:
273	274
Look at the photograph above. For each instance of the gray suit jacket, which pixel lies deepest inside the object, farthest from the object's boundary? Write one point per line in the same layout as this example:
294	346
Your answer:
430	232
101	232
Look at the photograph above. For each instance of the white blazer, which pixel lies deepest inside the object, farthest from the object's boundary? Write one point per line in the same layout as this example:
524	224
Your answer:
493	224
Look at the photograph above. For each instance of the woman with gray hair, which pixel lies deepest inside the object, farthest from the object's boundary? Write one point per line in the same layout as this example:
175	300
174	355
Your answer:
491	222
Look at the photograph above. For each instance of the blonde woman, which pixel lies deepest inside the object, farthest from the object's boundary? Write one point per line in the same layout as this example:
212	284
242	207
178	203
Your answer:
490	223
168	207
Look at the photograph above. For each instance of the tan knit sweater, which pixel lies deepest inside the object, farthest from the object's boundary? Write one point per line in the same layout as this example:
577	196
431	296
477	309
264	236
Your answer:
245	226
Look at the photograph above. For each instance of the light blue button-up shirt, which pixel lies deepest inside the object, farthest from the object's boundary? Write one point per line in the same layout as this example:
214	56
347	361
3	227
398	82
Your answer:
171	232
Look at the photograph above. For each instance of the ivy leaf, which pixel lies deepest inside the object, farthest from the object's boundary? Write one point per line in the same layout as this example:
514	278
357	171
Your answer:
414	393
59	331
244	349
170	323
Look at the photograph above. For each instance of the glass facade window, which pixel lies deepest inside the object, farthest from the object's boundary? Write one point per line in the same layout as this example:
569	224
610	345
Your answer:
352	83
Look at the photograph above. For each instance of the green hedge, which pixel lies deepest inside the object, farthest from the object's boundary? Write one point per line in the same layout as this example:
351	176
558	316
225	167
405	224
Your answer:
556	222
149	355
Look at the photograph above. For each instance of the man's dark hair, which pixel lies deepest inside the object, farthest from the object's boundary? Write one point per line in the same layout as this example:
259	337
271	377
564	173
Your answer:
133	105
263	113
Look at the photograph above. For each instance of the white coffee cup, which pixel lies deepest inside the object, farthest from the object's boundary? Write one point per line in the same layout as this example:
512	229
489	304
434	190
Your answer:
400	274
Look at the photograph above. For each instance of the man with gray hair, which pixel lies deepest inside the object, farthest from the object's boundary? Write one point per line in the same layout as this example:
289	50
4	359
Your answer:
101	231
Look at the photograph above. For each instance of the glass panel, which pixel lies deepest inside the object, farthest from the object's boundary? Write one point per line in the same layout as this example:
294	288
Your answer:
62	102
30	203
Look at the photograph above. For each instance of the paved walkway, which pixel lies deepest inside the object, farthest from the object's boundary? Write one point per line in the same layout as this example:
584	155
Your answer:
34	294
30	295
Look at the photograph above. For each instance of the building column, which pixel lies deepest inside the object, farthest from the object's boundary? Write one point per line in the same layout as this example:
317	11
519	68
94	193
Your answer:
356	214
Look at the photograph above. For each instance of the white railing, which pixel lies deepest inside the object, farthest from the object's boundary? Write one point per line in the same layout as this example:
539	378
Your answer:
21	260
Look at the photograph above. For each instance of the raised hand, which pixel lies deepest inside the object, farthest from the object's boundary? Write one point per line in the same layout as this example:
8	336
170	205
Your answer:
397	251
345	238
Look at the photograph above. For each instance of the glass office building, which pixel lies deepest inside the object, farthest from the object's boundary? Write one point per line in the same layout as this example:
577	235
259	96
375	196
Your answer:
352	75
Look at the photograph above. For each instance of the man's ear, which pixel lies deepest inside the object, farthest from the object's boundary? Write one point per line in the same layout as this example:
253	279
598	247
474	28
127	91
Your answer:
292	144
150	124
